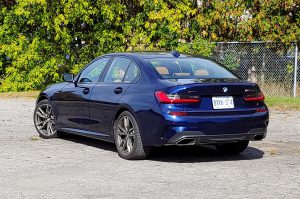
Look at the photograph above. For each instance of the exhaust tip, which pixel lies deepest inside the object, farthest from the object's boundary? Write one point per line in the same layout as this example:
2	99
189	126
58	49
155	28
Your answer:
258	137
187	141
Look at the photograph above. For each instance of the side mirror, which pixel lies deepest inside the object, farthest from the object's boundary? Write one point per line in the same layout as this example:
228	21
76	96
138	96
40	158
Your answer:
68	77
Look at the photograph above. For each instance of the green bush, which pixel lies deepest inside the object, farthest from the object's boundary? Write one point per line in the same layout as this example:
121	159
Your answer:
41	39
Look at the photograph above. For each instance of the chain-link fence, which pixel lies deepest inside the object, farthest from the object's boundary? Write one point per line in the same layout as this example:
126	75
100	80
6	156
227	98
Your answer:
271	65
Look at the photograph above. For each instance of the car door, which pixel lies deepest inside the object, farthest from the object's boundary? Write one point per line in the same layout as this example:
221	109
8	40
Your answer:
107	93
73	105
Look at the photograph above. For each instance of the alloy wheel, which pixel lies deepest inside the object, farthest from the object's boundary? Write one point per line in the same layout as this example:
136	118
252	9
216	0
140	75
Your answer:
125	135
44	120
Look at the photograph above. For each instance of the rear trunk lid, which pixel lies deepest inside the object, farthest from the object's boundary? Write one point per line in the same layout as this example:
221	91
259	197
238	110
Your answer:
216	97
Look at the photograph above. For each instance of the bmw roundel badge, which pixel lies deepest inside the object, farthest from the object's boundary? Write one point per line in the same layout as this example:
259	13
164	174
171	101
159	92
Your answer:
225	89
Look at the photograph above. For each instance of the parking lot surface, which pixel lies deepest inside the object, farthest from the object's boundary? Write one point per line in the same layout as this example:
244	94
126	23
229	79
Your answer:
77	167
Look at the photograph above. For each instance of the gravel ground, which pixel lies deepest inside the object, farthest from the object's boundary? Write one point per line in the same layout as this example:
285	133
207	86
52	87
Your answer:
76	167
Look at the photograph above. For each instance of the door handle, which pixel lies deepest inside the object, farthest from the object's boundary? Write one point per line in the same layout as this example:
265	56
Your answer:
86	91
118	90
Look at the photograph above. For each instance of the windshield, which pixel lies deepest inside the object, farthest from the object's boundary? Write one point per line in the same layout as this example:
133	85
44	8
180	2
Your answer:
188	68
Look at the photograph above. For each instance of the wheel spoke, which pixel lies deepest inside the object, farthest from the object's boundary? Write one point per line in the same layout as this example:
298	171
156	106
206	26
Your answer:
129	144
41	113
48	109
121	131
123	143
40	123
126	123
43	124
49	128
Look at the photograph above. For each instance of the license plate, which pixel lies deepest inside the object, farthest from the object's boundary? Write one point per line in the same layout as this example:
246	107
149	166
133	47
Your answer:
223	102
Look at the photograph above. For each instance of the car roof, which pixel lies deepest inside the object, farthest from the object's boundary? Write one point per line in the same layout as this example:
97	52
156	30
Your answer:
148	55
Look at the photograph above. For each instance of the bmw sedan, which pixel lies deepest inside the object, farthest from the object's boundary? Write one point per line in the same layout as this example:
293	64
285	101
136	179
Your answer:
141	100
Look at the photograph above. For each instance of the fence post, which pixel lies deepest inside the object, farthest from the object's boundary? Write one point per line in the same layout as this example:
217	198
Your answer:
262	77
295	71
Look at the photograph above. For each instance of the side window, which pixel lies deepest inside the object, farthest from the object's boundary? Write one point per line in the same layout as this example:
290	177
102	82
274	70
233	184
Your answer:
132	73
92	73
117	70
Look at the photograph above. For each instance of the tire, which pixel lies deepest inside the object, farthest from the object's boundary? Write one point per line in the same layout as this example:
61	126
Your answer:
232	148
43	118
128	138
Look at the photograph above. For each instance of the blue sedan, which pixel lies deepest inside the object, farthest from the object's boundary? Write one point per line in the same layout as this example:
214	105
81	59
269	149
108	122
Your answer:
141	100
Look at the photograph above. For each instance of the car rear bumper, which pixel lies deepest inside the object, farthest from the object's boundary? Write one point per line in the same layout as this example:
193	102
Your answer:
170	130
217	129
198	137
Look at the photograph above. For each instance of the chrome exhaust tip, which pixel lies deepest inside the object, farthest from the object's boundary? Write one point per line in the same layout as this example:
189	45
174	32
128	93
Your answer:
186	141
257	137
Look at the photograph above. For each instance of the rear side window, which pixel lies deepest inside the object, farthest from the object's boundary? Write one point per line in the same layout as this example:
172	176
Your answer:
117	70
132	73
184	68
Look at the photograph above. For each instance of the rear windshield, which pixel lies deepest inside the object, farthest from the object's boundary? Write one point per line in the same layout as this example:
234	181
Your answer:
186	68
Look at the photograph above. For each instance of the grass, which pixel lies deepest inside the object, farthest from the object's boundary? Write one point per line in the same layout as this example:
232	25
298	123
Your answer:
273	102
283	103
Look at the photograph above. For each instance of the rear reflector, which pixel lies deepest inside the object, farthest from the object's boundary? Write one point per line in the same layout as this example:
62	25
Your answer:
261	110
164	98
178	113
260	97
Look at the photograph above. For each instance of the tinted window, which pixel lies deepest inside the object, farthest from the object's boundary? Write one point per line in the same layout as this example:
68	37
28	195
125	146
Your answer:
182	68
117	70
132	73
92	73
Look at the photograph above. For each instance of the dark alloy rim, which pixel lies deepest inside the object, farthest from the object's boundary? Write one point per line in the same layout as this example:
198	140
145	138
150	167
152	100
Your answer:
44	120
125	135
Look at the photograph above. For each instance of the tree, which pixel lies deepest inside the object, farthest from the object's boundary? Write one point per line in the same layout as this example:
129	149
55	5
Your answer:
41	39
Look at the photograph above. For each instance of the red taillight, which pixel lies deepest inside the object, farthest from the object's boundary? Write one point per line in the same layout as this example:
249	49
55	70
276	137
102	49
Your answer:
260	97
164	98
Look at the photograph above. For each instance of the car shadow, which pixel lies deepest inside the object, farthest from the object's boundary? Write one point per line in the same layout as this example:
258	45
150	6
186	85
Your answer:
89	142
202	153
176	154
